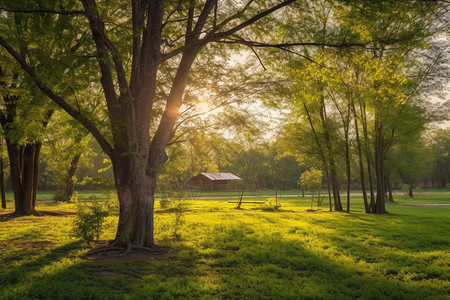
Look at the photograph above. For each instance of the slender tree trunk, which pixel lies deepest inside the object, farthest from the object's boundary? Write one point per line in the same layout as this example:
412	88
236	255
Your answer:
2	183
347	163
389	187
371	185
333	173
368	157
346	124
318	200
379	169
361	164
244	183
70	185
322	154
2	175
328	187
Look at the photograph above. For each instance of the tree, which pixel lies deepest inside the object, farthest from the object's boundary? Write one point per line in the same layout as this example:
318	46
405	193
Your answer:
156	37
440	146
410	162
65	145
312	180
23	118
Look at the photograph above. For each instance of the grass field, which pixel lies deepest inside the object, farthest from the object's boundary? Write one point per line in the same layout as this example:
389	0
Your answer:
98	194
213	251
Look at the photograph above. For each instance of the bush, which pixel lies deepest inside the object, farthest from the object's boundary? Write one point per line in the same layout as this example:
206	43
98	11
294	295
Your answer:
165	203
74	198
88	224
178	222
59	196
271	205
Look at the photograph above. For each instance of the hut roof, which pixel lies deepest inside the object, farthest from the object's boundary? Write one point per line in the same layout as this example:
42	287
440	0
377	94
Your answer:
216	176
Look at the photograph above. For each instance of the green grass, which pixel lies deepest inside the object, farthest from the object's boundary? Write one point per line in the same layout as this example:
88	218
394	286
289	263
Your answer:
223	253
82	195
98	194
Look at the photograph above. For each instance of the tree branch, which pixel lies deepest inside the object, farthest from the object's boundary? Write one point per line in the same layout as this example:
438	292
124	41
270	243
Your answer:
287	45
104	44
201	21
58	100
215	37
43	11
221	35
231	18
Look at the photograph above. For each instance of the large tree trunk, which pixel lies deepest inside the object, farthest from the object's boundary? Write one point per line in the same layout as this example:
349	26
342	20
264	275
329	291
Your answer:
136	163
135	190
24	169
70	185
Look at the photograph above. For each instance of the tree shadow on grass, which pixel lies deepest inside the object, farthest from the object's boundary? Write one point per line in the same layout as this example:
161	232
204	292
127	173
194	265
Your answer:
409	233
24	272
240	262
174	276
271	267
8	217
40	213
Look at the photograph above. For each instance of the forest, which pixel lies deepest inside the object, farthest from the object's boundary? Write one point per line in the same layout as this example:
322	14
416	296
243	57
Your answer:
342	105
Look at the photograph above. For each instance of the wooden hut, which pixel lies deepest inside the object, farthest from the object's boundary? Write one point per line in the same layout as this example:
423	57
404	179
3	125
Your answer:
213	181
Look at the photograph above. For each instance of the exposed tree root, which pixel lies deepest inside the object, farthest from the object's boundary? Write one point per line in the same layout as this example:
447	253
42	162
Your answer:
113	250
153	249
105	249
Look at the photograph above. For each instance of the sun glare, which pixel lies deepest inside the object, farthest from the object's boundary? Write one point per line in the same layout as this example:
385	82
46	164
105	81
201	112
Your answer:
202	107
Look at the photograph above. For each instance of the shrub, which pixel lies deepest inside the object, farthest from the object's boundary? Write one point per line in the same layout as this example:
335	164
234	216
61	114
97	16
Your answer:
271	205
165	203
74	198
405	189
88	224
178	222
59	196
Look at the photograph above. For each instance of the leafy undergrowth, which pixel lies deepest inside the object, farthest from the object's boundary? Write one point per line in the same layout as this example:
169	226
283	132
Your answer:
219	252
